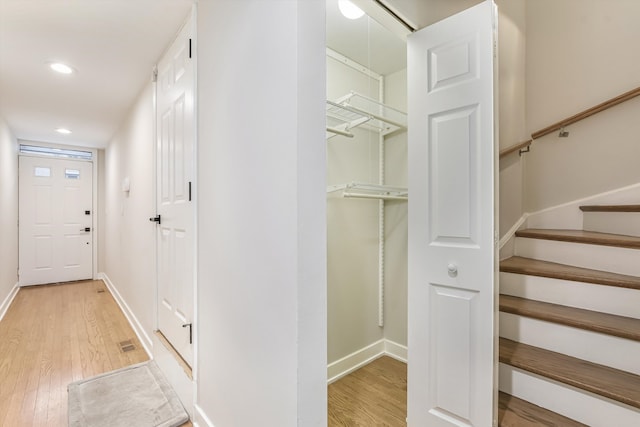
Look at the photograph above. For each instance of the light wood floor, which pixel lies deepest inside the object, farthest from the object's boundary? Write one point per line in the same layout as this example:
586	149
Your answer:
53	335
374	395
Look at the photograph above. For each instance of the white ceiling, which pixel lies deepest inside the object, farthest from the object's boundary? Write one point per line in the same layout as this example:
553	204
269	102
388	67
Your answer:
113	44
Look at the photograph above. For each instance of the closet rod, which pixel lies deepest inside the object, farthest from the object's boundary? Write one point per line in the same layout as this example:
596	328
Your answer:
374	196
339	132
377	117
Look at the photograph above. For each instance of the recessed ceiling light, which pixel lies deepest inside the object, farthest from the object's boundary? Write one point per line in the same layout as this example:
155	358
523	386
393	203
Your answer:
63	131
350	10
61	68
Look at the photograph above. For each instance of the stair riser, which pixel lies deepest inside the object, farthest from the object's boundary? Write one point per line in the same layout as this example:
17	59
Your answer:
597	257
606	299
627	223
595	347
579	405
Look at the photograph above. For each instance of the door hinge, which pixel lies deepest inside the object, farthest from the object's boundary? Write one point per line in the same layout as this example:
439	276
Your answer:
189	48
189	190
190	325
154	77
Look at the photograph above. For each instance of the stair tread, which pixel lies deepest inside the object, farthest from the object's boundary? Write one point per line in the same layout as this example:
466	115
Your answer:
534	267
610	208
515	412
602	380
582	236
610	324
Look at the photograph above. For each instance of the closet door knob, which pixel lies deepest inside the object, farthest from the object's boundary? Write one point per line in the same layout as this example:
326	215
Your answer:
452	269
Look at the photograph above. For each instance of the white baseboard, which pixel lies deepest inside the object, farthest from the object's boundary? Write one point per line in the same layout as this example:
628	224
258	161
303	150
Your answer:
358	359
133	320
201	419
355	360
8	300
395	350
568	215
512	231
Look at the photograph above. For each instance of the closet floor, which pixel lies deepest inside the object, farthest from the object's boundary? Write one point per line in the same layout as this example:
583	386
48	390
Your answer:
374	395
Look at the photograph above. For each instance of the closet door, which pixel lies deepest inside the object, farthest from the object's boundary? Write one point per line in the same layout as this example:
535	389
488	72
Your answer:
452	240
175	171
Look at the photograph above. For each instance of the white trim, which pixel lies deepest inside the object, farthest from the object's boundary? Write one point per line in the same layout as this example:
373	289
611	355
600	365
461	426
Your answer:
397	351
196	202
354	361
607	194
128	313
200	418
364	356
568	215
512	231
8	300
95	241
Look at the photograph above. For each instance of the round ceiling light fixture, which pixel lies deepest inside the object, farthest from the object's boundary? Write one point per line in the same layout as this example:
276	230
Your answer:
61	68
350	10
64	131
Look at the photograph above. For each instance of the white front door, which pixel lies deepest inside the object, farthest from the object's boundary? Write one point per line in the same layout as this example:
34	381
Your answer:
452	221
55	220
175	172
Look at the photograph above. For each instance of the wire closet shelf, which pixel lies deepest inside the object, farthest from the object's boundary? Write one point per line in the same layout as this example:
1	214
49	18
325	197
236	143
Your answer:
361	190
354	110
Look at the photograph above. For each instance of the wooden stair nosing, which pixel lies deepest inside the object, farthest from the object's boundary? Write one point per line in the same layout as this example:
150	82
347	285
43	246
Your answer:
602	380
610	208
515	412
605	323
534	267
582	236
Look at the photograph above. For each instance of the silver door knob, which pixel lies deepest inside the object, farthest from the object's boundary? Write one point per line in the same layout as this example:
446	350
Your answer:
452	269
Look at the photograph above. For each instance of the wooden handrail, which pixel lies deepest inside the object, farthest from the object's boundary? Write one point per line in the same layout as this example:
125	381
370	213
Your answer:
573	119
586	113
517	147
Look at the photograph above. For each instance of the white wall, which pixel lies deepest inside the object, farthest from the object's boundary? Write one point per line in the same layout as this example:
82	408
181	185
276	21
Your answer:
127	242
396	226
8	210
261	210
352	227
512	98
580	53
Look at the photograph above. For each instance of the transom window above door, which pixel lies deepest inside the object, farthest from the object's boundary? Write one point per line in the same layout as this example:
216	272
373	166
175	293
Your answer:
65	153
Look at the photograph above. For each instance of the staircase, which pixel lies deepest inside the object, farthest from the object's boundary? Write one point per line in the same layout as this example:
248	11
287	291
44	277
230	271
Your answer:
570	324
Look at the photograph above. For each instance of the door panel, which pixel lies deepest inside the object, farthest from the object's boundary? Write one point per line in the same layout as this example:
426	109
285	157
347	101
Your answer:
452	246
175	167
54	195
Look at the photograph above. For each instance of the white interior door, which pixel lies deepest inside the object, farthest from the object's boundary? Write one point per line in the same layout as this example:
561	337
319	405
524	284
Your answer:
452	240
175	171
55	220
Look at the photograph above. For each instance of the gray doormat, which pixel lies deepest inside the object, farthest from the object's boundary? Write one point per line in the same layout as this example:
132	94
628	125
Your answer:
137	395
